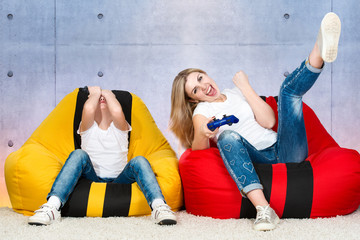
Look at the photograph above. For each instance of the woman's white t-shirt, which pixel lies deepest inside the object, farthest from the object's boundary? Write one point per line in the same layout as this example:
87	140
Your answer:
236	104
107	149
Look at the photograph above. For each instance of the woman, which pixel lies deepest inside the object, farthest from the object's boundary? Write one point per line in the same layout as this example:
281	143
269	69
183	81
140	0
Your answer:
196	100
103	158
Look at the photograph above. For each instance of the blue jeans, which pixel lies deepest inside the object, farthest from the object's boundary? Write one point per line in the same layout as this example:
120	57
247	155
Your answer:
291	145
78	165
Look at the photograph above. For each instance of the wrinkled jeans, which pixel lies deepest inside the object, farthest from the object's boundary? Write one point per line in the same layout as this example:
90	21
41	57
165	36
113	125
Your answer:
291	145
78	165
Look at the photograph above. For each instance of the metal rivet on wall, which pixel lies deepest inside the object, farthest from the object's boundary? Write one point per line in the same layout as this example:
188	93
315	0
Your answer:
286	16
10	16
10	143
100	16
100	74
286	73
10	74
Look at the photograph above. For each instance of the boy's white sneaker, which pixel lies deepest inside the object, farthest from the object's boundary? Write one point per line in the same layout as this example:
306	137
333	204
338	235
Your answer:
266	219
46	215
163	215
328	37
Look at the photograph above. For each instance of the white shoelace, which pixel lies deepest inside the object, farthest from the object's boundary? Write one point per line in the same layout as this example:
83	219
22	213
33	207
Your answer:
263	213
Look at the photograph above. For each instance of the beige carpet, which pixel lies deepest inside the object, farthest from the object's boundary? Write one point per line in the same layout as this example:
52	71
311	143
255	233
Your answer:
14	226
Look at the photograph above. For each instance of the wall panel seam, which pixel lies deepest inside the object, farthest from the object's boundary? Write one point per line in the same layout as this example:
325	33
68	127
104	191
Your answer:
55	49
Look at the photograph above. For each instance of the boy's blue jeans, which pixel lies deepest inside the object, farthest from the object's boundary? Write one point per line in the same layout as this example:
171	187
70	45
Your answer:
291	146
78	165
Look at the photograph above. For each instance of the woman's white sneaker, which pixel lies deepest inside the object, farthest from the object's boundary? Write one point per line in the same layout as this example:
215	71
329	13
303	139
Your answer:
328	37
266	219
163	215
46	215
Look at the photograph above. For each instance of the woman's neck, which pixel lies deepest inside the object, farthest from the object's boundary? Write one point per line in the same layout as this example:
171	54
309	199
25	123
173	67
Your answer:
221	98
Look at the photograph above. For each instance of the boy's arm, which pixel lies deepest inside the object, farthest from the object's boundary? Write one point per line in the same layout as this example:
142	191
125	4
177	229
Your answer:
115	110
89	109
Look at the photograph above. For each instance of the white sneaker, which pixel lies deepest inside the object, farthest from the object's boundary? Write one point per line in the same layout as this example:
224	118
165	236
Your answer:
163	215
46	215
328	37
266	219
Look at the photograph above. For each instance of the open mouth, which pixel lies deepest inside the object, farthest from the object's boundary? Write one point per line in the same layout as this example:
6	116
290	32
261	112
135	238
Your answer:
210	91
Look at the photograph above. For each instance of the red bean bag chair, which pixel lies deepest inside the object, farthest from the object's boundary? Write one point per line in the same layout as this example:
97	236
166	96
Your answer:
325	185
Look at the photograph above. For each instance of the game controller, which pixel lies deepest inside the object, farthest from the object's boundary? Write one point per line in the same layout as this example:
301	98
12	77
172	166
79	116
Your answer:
229	120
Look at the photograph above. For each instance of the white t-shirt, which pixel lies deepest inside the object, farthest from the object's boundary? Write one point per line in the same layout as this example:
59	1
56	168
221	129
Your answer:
107	149
236	104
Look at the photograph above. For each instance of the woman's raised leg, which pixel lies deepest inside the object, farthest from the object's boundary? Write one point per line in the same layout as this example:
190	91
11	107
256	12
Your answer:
292	142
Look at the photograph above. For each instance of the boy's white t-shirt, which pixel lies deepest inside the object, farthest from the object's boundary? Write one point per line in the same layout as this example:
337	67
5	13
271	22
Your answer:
236	104
107	149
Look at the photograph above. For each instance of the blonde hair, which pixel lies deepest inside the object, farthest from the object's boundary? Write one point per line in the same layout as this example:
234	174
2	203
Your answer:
182	109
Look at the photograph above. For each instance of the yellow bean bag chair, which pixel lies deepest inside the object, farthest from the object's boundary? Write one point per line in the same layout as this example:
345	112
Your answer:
31	170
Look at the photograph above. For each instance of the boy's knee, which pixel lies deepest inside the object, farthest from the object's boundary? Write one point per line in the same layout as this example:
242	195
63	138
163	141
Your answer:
140	161
78	155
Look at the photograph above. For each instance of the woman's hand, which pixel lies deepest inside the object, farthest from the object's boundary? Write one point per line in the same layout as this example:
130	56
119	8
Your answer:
263	113
241	80
202	133
206	131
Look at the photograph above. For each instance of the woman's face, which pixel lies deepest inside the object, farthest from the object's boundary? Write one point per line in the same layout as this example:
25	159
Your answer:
200	87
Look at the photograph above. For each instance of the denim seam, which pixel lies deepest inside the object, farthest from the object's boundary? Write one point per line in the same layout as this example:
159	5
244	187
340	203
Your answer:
296	76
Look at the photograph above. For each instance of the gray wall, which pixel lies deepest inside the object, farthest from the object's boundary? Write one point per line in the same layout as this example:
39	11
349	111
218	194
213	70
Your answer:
54	46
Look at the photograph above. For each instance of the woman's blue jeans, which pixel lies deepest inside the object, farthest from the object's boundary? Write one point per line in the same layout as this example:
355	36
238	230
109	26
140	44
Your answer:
78	165
291	146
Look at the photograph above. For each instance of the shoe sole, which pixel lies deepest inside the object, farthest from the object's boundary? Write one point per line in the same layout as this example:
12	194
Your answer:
37	224
167	222
329	35
267	226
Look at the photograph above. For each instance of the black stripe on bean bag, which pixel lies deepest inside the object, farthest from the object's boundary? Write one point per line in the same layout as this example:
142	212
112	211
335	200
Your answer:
264	172
81	99
125	100
117	200
76	206
247	210
300	187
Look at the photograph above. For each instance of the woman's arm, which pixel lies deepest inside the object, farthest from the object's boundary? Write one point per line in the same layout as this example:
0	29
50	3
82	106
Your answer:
115	109
263	113
202	133
89	109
